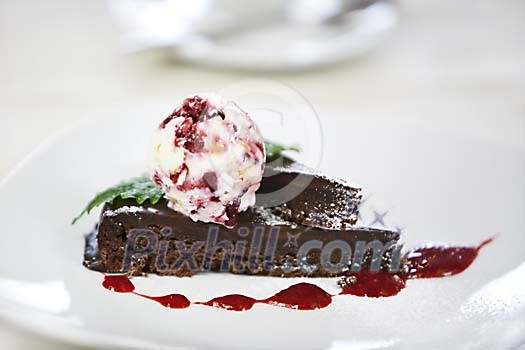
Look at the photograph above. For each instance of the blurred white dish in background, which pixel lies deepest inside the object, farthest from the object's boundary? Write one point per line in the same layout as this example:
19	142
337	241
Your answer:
255	35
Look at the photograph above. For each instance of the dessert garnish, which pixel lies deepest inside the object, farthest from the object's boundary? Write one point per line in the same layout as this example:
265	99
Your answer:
140	189
208	159
217	200
143	189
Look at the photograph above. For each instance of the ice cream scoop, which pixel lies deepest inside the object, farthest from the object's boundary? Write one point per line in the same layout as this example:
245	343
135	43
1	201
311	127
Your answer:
208	159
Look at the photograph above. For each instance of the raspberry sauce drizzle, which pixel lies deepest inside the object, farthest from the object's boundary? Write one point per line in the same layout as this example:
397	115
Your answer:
118	284
442	261
302	296
171	301
235	302
426	262
122	284
374	284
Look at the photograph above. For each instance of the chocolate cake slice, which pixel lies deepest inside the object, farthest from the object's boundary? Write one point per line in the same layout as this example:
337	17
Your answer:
307	197
311	234
220	197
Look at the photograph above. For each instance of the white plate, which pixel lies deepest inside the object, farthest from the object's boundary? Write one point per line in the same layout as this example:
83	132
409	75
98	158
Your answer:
441	187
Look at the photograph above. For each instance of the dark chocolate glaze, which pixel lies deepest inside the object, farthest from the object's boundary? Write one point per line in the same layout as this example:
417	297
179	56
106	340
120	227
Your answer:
322	209
119	218
307	197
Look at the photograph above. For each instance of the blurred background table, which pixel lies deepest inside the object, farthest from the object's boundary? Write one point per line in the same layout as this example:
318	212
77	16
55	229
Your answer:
457	66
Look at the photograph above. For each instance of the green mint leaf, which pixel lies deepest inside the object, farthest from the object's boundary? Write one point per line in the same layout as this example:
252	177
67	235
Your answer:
275	151
141	189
